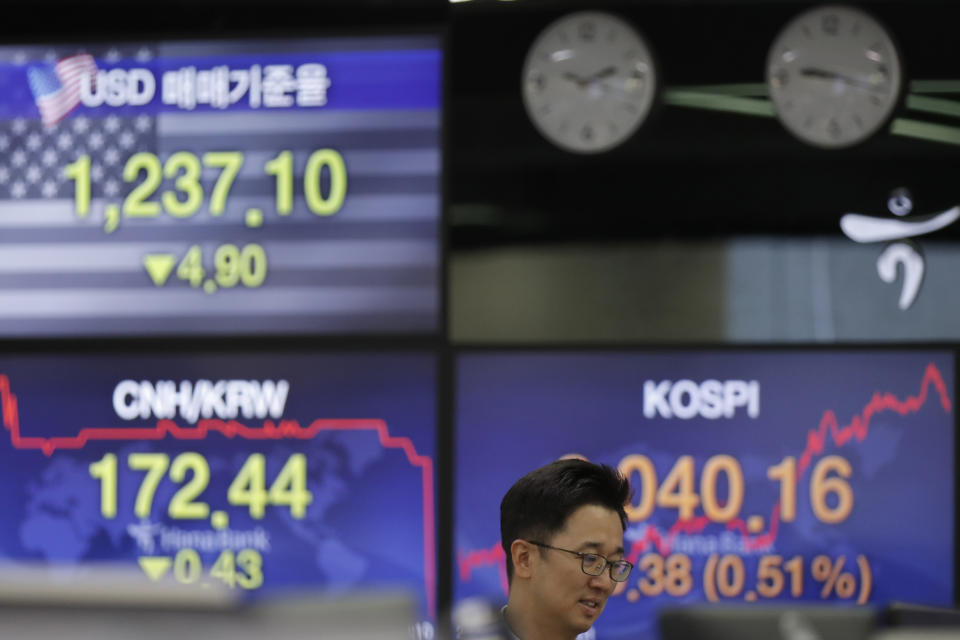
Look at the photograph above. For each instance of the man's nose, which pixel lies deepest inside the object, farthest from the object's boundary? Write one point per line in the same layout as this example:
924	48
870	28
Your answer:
603	582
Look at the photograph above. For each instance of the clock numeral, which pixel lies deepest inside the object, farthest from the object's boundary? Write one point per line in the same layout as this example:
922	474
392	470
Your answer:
881	74
781	78
830	24
538	82
635	78
875	100
587	31
834	129
586	133
857	120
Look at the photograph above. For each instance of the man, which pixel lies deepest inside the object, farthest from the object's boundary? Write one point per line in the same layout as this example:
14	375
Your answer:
561	527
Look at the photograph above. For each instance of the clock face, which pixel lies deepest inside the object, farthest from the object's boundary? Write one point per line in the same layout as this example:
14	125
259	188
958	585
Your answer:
834	76
588	81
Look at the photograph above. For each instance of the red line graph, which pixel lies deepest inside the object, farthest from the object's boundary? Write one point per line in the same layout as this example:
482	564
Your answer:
477	558
283	429
828	429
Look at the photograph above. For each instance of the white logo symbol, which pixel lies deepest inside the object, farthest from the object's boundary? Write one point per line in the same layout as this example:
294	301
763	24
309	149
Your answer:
862	228
144	533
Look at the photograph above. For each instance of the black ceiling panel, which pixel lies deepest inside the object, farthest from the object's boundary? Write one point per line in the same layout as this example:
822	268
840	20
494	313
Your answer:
686	172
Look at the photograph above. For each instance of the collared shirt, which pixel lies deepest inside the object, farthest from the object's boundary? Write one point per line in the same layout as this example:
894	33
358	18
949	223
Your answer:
586	635
506	624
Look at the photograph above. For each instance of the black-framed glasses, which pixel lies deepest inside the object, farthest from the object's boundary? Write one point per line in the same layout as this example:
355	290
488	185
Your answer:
593	564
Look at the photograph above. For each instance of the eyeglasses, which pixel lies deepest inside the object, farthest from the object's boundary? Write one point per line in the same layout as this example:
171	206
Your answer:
593	564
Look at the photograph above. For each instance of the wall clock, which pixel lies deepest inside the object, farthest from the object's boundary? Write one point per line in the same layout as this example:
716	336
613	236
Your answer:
588	81
834	76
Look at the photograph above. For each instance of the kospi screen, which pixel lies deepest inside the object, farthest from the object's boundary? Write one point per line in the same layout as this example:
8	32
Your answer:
758	476
267	473
211	187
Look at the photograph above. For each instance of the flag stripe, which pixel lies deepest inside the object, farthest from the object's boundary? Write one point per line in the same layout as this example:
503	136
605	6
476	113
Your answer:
169	302
290	232
343	277
343	322
308	254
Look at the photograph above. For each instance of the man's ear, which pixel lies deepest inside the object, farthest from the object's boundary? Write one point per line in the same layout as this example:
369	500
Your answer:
521	552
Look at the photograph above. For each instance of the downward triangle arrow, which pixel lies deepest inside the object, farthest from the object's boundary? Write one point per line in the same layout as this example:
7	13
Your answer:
155	566
159	266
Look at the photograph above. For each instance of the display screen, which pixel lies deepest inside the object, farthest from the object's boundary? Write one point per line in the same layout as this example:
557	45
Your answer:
212	187
267	473
773	476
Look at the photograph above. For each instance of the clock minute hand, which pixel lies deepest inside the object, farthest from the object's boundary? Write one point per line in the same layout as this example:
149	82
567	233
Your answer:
574	78
823	74
603	73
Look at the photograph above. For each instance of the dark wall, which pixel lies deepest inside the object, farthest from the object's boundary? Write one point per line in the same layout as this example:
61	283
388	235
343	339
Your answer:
687	172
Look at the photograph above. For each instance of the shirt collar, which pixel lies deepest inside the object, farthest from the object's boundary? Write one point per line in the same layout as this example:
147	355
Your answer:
506	624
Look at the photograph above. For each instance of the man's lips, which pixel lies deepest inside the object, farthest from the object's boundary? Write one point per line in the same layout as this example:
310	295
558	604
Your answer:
591	605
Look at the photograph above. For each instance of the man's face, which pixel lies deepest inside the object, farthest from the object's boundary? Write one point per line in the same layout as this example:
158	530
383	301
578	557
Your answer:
565	597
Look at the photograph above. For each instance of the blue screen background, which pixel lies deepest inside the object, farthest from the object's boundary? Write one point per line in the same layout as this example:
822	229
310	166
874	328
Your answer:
519	410
360	484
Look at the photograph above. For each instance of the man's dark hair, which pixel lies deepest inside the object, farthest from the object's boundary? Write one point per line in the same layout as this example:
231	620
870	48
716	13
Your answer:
538	504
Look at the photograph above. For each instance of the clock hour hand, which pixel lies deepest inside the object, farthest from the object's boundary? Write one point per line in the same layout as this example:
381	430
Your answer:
824	74
591	79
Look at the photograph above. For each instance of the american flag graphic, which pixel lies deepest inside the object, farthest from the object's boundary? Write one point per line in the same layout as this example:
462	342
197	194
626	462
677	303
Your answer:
32	156
56	87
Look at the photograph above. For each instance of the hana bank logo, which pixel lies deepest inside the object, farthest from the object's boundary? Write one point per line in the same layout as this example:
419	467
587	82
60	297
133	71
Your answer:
897	231
144	533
